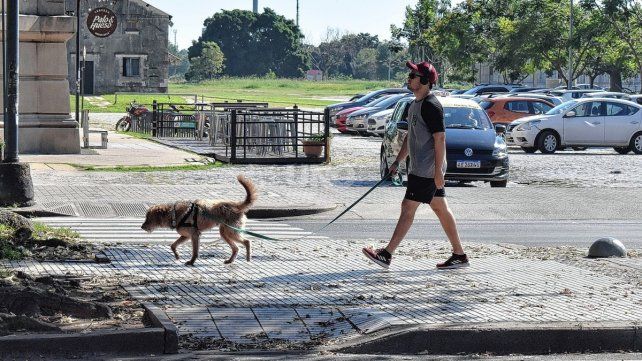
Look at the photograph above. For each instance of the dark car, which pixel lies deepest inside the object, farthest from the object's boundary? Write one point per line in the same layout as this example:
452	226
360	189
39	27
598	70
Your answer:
335	108
491	89
475	150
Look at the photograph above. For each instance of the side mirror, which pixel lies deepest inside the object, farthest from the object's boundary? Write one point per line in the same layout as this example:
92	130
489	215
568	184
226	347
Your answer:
570	114
402	124
500	129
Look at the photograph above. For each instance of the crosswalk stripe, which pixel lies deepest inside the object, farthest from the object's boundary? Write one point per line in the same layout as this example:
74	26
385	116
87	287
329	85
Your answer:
127	230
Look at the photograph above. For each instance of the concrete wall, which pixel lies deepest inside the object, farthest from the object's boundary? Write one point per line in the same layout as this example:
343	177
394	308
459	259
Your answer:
141	32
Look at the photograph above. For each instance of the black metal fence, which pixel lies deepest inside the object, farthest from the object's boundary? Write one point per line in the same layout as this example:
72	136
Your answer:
244	132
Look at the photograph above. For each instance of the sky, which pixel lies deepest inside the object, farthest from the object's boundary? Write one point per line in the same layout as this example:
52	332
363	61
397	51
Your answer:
315	16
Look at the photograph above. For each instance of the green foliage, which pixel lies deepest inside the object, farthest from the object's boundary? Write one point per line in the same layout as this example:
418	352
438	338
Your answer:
208	65
254	44
10	251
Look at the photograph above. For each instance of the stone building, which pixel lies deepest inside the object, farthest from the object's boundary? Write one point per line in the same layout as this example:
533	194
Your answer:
133	58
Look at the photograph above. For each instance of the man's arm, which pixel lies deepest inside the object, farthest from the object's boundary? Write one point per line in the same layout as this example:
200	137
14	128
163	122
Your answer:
440	155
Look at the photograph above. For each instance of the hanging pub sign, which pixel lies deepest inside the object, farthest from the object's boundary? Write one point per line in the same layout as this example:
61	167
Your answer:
101	22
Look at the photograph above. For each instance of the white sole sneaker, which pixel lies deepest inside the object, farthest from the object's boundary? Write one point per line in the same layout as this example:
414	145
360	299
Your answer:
382	264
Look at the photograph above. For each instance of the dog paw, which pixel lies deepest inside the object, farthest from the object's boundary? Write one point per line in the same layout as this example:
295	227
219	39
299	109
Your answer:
229	261
189	263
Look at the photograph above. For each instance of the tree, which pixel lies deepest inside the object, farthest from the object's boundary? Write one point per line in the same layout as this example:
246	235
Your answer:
208	65
625	16
365	64
255	44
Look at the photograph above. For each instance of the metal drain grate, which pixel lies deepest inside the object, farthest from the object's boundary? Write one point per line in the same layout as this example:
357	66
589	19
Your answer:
60	207
95	210
129	209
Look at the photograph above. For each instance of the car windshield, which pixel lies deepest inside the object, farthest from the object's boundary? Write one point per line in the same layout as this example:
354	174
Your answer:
390	100
466	118
472	91
562	108
376	101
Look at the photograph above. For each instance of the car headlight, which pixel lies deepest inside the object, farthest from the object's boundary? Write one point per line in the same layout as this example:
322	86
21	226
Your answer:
527	125
500	149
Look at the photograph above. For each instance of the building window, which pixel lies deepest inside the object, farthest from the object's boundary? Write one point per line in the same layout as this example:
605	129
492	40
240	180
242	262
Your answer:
131	67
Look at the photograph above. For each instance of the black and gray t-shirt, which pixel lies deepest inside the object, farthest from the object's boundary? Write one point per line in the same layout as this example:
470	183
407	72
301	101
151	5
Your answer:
425	117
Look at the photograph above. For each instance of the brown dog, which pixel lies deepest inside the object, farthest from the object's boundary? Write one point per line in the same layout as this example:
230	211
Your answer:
191	219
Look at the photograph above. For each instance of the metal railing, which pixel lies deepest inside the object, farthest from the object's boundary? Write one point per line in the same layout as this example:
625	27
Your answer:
245	132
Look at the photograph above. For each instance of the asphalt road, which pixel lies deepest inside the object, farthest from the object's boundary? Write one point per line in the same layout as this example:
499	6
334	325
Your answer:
579	233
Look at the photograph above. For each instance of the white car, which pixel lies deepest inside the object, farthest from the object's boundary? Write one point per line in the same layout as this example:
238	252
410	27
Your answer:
377	122
567	95
585	122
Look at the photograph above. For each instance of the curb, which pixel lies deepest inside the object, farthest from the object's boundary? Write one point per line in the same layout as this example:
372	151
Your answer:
142	341
162	338
159	319
500	339
279	212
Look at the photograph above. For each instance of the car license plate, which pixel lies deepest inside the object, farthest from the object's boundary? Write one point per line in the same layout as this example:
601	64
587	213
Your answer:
468	164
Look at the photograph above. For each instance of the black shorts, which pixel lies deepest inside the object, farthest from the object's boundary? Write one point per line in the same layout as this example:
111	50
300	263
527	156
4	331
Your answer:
422	189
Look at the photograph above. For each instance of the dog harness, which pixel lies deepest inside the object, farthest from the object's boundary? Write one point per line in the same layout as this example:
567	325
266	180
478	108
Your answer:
183	222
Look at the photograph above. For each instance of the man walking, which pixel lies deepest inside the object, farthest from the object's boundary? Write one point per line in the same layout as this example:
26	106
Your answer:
426	144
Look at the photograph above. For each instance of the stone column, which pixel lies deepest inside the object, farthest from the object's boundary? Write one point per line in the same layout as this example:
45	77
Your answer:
45	124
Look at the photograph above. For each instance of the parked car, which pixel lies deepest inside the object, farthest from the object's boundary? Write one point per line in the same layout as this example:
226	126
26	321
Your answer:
503	110
567	95
457	91
549	98
377	122
335	108
616	95
583	122
523	89
356	121
475	151
636	98
341	117
490	88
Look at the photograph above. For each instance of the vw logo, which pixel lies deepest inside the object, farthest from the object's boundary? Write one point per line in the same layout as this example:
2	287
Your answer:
468	152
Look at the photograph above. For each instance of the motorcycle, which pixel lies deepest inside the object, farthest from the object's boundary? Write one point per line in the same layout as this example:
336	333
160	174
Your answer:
134	109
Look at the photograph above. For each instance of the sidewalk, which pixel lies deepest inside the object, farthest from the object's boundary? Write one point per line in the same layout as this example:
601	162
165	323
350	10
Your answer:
316	292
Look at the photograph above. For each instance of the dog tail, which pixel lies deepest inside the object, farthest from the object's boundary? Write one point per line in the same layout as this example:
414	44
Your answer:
250	190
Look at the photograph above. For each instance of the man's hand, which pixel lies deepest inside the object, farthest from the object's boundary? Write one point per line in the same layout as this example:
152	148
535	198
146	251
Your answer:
440	182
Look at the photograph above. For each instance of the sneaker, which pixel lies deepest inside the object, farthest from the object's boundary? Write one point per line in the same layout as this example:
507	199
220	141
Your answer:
455	261
379	256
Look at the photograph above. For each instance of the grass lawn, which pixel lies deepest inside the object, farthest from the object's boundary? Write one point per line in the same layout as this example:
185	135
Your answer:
277	92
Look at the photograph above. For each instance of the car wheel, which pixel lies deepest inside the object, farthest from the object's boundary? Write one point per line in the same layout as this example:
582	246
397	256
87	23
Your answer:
622	150
547	142
383	166
499	184
636	143
529	150
579	148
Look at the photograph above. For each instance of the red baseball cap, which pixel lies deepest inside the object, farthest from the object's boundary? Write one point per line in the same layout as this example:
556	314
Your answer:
424	69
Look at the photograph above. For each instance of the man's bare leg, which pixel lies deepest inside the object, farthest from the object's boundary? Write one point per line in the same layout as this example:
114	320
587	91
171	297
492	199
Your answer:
448	223
407	216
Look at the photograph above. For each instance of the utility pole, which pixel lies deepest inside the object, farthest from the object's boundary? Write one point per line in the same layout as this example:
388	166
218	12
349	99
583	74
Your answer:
297	12
16	188
255	6
570	50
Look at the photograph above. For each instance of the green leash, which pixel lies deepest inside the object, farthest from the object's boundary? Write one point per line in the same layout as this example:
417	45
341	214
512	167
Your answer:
397	181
